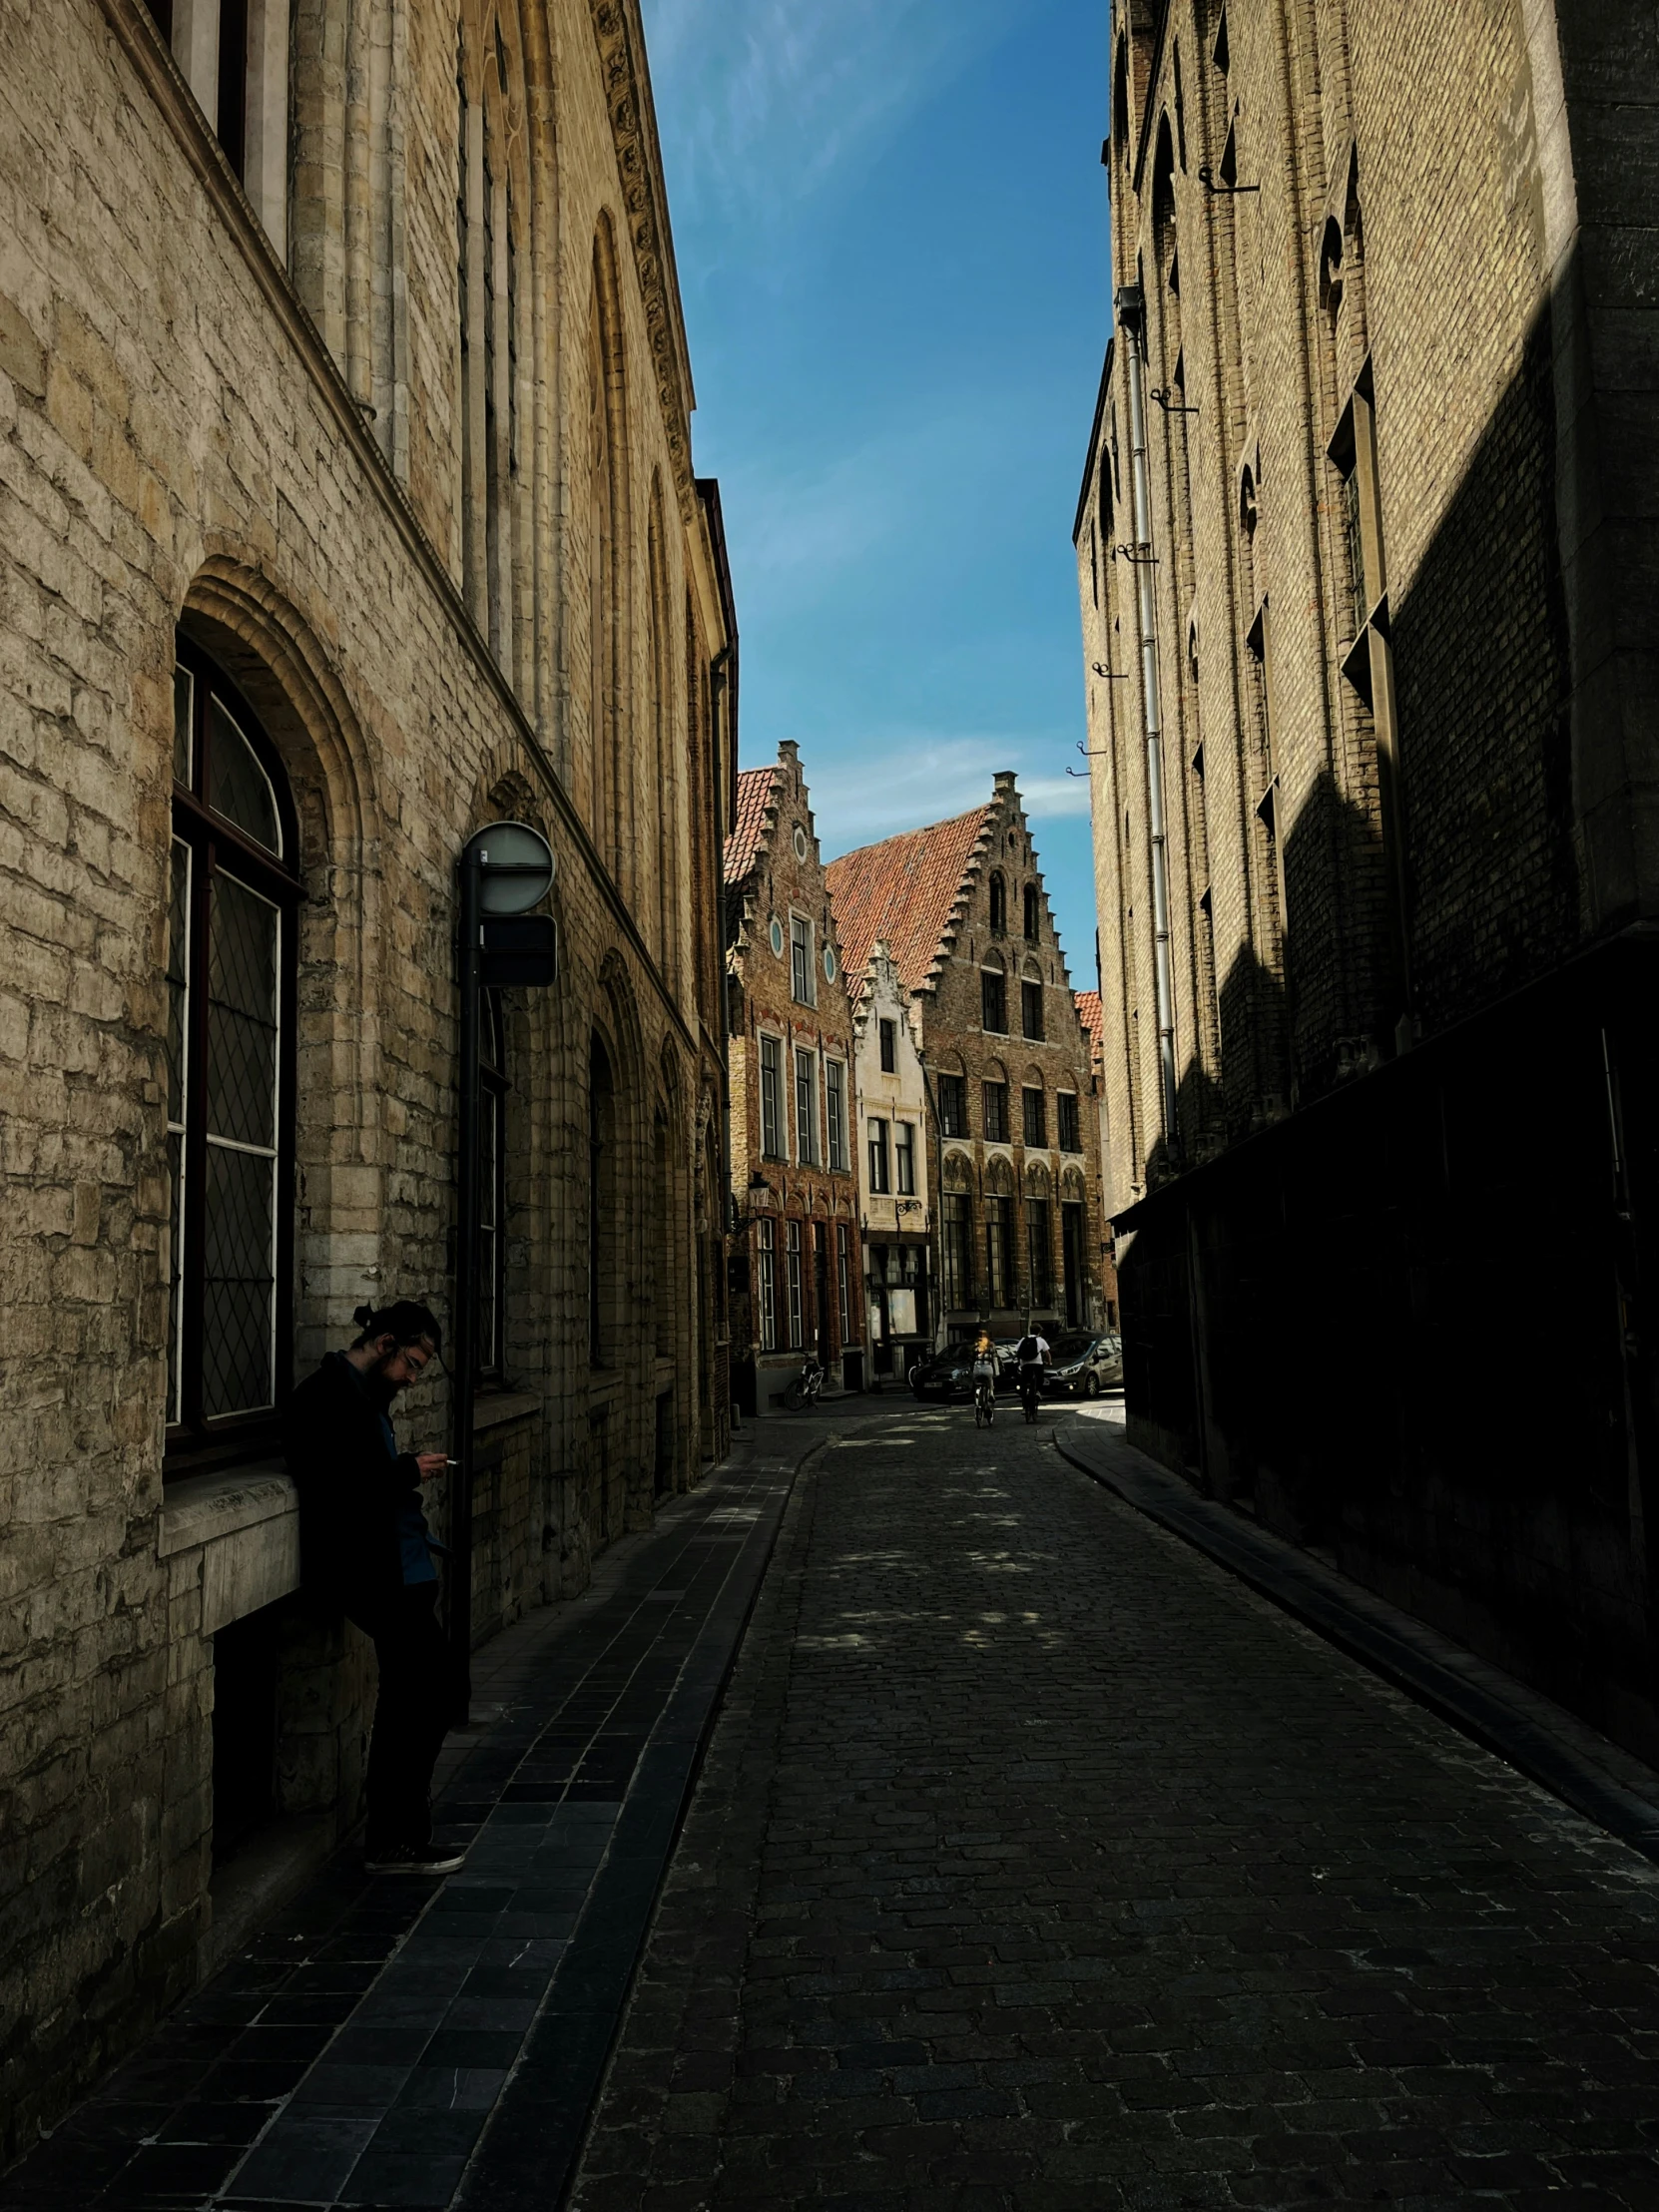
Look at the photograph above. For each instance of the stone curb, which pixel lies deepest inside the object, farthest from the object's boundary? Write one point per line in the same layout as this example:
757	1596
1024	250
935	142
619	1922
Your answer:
1540	1740
526	2160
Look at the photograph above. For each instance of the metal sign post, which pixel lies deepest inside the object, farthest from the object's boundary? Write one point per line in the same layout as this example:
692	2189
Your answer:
502	872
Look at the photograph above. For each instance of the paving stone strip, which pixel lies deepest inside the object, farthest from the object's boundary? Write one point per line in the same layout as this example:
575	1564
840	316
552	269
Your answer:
1036	1863
358	2049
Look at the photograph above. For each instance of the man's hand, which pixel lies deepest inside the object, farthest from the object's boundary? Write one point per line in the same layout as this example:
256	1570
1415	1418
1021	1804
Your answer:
431	1465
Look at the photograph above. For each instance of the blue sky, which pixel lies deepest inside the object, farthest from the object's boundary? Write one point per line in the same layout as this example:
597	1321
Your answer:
889	221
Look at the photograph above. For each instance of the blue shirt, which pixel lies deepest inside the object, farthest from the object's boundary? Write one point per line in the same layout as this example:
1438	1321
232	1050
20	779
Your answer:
415	1541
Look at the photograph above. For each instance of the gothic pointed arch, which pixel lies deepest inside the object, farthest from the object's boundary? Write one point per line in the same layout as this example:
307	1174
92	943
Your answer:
660	722
607	534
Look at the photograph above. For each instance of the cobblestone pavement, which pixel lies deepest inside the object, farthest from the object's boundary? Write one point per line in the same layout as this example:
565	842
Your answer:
1036	1863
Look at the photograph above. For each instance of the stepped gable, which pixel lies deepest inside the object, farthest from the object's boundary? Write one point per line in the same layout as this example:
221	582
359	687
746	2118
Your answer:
909	891
757	815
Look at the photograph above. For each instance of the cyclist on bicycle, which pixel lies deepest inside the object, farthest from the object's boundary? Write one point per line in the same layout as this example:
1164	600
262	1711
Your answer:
1032	1354
984	1379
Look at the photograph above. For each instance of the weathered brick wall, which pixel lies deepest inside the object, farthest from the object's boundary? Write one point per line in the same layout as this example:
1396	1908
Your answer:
955	1040
783	881
1435	218
180	447
1482	263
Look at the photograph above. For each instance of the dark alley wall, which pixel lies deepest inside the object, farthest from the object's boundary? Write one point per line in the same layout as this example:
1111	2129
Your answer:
1412	1327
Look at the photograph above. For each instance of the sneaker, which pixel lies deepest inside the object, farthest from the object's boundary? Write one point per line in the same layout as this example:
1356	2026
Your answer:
417	1859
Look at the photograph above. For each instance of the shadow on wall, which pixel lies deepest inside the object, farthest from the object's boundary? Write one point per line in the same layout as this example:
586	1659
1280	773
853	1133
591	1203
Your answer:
1407	1323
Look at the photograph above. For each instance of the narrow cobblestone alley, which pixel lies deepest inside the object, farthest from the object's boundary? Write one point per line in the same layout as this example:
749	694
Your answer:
1039	1862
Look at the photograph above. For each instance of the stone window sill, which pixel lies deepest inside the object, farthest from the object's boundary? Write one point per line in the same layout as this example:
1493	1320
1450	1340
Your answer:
502	1407
205	1506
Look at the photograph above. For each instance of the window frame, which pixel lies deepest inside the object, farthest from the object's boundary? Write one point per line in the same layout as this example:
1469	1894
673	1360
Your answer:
904	1159
806	1133
797	1314
880	1180
215	847
771	1092
802	951
1031	1010
952	1104
493	1086
1039	1252
843	1281
998	1217
765	1277
1069	1121
887	1042
956	1251
835	1111
993	1111
1033	1123
993	997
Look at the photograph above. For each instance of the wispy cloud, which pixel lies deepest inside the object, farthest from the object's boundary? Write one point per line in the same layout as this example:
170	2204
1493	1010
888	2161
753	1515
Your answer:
899	779
783	93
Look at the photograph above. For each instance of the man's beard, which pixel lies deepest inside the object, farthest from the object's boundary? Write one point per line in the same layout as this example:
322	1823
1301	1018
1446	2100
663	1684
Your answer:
380	1388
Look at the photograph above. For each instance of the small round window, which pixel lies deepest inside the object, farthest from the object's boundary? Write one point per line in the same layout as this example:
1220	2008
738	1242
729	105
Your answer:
799	842
828	965
776	938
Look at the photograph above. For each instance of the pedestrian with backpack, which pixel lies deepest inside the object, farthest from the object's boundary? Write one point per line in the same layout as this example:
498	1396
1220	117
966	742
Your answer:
1031	1355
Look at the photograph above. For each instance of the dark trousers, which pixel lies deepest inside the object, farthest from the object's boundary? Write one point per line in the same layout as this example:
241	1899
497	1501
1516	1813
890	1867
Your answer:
411	1715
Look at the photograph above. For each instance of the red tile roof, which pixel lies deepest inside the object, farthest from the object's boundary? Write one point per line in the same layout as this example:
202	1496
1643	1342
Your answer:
1093	1020
904	890
756	788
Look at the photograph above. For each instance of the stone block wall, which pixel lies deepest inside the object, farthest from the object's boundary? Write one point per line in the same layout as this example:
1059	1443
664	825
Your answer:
262	443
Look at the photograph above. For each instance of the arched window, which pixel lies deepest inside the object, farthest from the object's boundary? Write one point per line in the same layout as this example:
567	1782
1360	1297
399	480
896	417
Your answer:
229	1060
602	1222
1000	905
663	1277
488	222
993	996
1033	914
660	732
492	1188
604	558
236	60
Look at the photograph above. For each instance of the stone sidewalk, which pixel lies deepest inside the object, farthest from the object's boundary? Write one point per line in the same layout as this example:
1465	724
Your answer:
1037	1863
357	2050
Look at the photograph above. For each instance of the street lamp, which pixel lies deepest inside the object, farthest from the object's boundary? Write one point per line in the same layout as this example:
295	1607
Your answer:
502	872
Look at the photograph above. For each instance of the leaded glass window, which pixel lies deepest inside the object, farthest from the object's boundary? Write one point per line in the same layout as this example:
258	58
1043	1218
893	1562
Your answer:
230	1109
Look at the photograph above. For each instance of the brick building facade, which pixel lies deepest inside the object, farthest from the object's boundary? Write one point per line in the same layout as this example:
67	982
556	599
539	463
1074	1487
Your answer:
348	506
1370	680
799	1265
1013	1128
892	1122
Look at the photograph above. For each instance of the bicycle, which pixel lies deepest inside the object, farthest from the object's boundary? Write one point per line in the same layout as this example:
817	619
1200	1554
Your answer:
985	1400
1030	1391
804	1389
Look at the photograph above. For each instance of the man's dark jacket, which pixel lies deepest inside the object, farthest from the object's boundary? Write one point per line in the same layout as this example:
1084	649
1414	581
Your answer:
352	1490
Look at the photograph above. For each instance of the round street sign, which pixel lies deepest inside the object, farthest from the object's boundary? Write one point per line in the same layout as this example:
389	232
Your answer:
515	864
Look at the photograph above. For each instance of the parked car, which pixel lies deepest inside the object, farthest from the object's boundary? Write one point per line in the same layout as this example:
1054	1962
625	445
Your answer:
950	1374
1086	1366
943	1374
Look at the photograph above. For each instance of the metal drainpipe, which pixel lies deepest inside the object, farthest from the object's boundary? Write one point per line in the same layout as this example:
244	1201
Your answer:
1131	318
